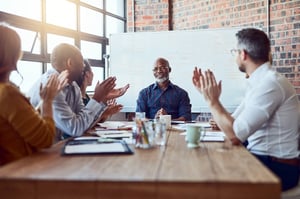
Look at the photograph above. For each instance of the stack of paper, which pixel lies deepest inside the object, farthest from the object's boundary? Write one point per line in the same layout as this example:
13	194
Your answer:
214	136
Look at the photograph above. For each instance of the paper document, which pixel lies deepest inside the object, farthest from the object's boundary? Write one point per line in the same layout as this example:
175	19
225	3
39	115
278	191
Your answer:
113	133
110	125
182	126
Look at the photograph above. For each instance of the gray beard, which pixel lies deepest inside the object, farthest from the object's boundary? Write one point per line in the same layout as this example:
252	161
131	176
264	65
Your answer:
161	80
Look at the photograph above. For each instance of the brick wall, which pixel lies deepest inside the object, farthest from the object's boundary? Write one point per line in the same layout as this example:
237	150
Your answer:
285	38
149	15
281	18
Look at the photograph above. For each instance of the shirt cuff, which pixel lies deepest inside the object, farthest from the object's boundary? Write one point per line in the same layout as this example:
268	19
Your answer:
94	105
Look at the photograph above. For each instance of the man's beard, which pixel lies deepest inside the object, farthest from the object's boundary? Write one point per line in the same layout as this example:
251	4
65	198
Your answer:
242	68
161	80
78	79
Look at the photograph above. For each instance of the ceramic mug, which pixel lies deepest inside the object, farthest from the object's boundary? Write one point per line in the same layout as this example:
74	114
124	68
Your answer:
194	133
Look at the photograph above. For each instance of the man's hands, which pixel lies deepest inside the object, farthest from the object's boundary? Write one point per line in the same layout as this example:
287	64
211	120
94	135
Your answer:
207	85
113	107
160	112
105	90
102	89
52	88
117	92
63	78
214	125
48	92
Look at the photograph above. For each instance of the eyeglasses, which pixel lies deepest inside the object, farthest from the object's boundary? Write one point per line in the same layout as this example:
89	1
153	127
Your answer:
160	68
234	51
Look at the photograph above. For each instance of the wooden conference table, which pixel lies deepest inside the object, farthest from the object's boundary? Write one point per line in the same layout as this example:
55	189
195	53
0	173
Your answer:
214	170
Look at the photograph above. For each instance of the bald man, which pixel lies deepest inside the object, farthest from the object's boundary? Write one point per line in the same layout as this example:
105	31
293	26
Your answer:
163	97
71	116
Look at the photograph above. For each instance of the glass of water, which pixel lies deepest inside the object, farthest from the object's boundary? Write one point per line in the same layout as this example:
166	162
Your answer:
160	133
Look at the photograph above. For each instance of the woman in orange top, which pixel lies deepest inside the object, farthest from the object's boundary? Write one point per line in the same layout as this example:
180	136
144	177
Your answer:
23	130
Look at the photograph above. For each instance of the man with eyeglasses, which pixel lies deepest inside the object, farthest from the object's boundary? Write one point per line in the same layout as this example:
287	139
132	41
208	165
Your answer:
164	97
268	116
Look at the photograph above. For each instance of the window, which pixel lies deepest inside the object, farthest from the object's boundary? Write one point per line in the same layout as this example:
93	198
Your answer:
84	23
91	50
30	40
53	40
29	73
20	8
56	13
91	21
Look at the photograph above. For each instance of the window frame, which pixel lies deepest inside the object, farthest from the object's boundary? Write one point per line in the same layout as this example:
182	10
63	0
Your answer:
44	28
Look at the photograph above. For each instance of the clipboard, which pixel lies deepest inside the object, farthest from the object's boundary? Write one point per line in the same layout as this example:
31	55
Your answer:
95	146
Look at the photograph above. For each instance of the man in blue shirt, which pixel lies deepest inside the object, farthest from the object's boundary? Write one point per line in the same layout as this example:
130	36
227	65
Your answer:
163	97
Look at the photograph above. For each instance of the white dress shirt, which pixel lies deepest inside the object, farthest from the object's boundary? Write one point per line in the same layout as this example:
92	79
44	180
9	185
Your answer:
268	116
70	115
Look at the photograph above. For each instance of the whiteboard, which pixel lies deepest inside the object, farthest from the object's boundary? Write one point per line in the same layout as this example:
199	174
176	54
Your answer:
132	56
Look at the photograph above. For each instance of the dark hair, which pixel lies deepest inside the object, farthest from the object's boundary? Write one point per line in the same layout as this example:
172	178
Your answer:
87	67
255	42
10	50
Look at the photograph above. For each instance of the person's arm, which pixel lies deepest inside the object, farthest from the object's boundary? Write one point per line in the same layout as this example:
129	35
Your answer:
37	131
211	90
70	114
184	109
224	121
48	92
112	108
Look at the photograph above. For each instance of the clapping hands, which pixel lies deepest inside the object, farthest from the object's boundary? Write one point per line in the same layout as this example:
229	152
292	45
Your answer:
207	85
106	91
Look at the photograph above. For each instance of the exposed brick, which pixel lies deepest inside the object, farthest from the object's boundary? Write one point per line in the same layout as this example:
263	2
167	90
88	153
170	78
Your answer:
284	22
297	26
284	70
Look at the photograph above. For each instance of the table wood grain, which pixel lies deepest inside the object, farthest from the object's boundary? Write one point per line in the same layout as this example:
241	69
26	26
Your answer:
215	170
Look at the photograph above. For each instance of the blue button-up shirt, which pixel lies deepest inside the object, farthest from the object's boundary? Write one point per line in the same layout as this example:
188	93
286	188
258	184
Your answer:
174	100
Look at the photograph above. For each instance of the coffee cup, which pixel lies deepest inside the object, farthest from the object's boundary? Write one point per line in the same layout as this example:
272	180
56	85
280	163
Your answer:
193	135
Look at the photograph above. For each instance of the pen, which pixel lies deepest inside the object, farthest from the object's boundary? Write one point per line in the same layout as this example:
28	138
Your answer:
145	133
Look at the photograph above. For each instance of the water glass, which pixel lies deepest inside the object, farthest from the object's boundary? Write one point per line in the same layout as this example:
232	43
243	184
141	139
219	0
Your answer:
160	133
144	134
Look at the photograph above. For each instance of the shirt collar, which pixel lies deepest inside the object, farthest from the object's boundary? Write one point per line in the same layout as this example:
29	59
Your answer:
258	74
169	85
54	71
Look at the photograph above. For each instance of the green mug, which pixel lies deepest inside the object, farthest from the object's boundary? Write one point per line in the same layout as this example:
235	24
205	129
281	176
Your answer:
194	133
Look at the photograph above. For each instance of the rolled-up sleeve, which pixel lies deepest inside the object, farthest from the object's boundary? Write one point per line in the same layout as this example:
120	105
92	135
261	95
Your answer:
257	110
75	122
